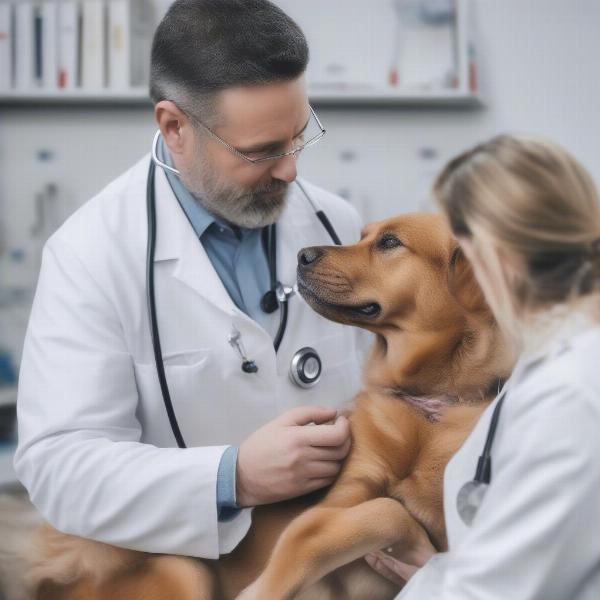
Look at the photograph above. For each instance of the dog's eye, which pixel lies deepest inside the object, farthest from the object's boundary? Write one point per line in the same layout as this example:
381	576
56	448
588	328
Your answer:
389	241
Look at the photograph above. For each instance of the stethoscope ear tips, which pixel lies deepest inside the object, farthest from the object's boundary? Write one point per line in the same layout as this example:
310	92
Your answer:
269	303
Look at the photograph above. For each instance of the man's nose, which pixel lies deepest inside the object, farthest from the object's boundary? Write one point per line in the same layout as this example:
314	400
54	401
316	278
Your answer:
285	169
310	256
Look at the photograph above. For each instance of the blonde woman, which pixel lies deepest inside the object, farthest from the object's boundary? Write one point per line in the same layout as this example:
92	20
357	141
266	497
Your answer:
527	215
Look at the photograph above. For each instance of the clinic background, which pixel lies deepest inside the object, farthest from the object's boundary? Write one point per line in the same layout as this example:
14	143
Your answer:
536	71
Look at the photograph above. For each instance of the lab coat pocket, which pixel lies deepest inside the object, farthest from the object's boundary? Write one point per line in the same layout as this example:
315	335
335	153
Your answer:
188	378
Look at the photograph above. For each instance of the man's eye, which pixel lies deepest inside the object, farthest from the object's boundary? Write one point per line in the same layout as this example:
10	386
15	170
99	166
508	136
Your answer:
389	241
259	153
266	153
256	155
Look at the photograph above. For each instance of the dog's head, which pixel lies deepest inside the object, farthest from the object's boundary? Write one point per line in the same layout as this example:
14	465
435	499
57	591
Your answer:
407	281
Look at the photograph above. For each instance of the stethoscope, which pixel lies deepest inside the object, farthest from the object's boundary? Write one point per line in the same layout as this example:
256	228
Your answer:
471	494
306	365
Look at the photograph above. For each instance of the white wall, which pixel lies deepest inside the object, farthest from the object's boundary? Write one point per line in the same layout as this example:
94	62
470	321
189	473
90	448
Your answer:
538	65
539	71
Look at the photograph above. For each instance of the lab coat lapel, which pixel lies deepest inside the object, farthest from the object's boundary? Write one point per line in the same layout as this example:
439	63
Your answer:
297	228
177	240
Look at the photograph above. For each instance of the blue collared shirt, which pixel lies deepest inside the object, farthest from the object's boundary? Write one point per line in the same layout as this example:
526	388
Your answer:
238	257
236	253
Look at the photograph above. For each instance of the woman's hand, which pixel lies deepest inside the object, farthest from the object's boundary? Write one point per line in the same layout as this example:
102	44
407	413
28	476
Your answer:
399	569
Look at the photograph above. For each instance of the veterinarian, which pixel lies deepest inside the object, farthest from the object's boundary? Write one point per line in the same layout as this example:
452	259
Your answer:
105	452
527	215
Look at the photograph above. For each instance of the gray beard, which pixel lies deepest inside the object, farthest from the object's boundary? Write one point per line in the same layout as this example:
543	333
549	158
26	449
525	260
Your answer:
251	209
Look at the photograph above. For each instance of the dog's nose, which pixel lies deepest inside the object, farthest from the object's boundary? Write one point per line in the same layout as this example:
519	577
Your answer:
308	256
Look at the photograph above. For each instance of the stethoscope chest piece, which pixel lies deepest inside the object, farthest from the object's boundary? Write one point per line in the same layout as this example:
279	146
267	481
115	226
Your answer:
471	494
469	500
306	367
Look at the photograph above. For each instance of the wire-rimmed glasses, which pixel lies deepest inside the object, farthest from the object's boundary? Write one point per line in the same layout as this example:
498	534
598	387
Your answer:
312	133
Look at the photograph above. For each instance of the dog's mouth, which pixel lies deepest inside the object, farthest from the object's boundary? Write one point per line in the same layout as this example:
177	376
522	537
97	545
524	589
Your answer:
367	310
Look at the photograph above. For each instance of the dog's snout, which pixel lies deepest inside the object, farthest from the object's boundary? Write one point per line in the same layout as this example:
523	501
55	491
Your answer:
309	256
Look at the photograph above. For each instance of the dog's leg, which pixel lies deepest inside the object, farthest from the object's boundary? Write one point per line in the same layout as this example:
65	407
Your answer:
161	577
325	538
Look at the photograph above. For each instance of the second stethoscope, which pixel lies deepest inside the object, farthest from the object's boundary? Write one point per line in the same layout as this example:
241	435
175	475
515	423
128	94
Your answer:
306	365
471	494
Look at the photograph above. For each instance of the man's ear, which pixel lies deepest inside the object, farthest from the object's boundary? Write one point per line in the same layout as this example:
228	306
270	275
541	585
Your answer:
463	284
170	119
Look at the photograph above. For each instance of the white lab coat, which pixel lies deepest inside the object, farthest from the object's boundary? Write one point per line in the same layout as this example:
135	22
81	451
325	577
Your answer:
96	451
536	535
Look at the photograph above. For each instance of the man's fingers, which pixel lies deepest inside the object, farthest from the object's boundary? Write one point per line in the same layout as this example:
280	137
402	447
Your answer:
317	484
303	415
319	469
336	434
336	453
379	564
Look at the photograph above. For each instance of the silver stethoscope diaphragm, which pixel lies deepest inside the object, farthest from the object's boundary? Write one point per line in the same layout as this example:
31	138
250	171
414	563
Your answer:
306	367
471	494
469	500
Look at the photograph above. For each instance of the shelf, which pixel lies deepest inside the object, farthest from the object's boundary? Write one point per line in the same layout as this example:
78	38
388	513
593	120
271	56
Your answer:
338	96
394	97
8	395
132	97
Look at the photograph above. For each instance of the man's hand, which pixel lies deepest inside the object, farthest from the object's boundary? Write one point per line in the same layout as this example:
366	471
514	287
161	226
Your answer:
399	568
299	452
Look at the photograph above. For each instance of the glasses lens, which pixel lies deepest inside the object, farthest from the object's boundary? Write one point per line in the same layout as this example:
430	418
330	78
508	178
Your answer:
309	136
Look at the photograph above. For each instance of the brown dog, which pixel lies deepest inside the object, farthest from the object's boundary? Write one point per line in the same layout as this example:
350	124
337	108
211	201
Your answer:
434	366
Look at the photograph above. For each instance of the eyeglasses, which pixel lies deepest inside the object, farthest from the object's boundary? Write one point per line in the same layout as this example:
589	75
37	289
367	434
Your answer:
312	133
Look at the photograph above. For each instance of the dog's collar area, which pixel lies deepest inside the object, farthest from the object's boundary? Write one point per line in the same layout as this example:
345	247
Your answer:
430	407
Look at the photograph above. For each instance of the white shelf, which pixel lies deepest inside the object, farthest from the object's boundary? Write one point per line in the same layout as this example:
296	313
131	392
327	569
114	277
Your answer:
337	96
8	395
102	96
394	97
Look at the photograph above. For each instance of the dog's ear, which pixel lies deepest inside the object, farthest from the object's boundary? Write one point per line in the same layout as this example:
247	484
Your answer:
462	283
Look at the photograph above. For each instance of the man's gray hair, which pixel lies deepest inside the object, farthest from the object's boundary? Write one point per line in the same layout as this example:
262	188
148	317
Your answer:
202	47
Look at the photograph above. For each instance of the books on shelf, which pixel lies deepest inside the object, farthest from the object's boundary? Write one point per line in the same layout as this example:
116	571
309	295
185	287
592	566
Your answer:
6	42
92	45
48	46
128	43
68	44
24	46
119	47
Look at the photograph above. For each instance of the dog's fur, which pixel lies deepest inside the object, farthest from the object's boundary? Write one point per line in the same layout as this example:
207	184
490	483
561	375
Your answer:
435	363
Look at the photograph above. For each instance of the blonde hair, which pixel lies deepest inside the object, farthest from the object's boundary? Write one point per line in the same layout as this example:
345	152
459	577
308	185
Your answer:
532	213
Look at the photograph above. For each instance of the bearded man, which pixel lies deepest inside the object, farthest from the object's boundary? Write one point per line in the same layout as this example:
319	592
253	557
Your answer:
108	448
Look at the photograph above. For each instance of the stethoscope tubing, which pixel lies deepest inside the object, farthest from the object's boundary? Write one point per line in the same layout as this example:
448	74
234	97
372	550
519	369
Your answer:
151	300
483	473
151	297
